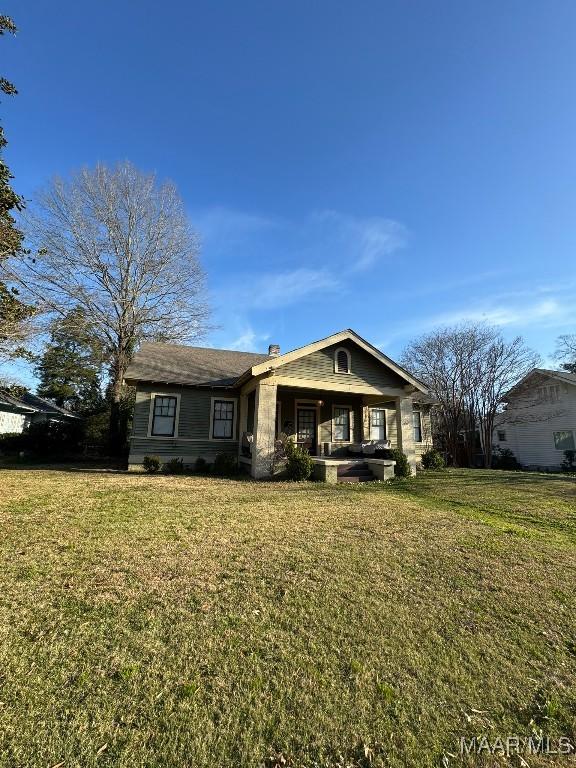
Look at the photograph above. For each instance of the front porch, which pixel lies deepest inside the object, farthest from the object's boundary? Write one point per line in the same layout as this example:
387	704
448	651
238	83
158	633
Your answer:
331	424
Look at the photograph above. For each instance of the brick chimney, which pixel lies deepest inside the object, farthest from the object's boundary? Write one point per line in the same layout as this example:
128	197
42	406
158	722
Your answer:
274	350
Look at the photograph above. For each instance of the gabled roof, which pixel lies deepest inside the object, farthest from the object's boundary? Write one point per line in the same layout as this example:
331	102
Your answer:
43	405
13	404
337	338
564	376
193	366
205	367
29	403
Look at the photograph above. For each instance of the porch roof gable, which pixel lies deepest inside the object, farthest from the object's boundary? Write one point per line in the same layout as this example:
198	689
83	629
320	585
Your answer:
271	364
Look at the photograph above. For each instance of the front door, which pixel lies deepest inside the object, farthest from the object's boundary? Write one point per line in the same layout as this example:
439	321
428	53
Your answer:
306	429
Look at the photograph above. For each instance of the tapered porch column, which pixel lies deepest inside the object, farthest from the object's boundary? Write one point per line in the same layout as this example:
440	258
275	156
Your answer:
264	429
405	429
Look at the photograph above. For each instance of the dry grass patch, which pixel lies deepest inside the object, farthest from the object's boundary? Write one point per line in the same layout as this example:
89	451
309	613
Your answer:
179	621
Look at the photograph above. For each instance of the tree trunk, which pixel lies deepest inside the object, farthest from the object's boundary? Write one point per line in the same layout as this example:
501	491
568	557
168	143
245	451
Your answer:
116	431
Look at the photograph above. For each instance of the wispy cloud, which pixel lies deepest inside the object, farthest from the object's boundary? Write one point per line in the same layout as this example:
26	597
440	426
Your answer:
551	312
249	340
286	288
365	241
274	264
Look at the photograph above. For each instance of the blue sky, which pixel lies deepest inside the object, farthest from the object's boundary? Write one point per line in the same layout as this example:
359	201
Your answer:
384	166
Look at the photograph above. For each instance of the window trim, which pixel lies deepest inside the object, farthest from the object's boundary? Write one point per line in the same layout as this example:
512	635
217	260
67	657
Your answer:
383	410
499	433
557	431
153	396
348	356
420	429
213	401
350	410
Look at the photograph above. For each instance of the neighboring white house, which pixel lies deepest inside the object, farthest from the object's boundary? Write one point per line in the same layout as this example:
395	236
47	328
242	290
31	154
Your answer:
17	412
539	422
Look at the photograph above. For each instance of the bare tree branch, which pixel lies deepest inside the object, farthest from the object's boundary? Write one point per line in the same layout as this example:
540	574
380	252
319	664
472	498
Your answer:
118	245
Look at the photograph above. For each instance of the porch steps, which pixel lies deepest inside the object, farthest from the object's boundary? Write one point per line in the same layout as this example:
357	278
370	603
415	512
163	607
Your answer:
357	472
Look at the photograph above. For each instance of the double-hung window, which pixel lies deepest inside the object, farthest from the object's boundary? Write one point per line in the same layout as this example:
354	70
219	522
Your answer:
377	424
341	424
417	422
163	416
223	420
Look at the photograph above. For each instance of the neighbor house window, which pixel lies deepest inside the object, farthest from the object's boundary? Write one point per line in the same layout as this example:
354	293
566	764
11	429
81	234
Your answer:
548	394
501	436
341	424
223	419
564	441
417	424
164	416
377	424
342	361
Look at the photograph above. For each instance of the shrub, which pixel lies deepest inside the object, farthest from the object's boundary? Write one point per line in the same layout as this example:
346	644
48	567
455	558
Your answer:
201	465
503	458
299	465
47	439
569	463
402	468
225	465
432	459
12	442
151	464
173	467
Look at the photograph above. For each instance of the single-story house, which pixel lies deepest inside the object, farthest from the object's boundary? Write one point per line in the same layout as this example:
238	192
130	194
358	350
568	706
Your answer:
539	420
337	397
16	413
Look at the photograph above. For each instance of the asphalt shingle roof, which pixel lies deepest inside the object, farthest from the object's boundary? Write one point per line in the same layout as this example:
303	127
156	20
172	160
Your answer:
29	402
196	366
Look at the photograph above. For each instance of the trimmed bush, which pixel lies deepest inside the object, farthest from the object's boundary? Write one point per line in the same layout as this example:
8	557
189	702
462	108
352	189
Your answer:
299	465
12	442
151	464
225	465
47	439
569	463
200	465
173	467
503	458
432	459
402	467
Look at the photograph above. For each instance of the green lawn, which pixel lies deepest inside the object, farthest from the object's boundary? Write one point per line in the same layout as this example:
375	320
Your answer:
193	622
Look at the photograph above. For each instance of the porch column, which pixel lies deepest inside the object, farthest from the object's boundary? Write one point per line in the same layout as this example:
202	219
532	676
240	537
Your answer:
365	420
405	429
242	420
264	428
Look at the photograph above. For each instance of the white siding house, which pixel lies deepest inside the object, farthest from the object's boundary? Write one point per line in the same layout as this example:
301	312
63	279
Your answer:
16	413
539	422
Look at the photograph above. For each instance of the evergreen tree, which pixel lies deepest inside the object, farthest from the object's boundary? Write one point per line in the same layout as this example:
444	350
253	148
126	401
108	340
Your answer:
70	369
13	313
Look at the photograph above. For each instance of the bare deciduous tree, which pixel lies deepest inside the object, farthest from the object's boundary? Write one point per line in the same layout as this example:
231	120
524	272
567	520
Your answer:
468	368
499	365
118	246
566	351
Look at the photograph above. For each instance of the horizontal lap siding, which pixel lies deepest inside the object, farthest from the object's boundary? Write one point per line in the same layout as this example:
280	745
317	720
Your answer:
530	432
187	450
319	366
193	426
